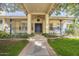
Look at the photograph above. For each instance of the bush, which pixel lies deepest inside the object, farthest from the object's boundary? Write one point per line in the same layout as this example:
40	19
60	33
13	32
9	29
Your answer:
22	35
45	34
32	34
4	35
49	35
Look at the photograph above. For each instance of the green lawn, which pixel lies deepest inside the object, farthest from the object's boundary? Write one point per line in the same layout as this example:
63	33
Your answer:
11	47
65	47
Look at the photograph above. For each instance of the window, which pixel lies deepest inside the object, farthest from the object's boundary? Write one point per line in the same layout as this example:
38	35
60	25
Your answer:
51	27
0	21
23	26
19	27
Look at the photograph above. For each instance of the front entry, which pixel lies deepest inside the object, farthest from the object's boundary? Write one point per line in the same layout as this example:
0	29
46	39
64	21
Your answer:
38	27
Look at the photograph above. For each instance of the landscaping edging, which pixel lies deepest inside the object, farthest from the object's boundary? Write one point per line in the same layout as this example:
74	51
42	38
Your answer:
51	50
24	49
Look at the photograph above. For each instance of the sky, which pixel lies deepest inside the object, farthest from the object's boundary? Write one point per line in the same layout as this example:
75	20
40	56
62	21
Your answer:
16	13
62	14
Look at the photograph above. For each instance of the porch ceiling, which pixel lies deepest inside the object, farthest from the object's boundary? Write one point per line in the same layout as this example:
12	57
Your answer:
38	7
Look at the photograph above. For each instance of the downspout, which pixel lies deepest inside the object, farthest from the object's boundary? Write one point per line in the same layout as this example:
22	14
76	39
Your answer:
60	28
10	27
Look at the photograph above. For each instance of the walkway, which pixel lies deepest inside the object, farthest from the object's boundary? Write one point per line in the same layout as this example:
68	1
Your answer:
37	47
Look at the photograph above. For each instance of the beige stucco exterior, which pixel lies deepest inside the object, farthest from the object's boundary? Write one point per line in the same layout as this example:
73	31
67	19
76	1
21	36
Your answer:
30	22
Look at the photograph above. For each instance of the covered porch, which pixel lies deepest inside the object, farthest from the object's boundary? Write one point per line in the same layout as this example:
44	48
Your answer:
36	20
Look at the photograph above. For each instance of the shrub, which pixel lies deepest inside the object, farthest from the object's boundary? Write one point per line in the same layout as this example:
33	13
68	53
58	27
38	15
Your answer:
22	35
32	34
49	35
45	34
4	35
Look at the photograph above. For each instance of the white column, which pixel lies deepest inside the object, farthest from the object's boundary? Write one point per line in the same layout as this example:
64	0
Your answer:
47	23
29	24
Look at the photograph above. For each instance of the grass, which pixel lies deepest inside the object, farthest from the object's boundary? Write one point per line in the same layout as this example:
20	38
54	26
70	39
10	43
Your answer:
11	47
65	46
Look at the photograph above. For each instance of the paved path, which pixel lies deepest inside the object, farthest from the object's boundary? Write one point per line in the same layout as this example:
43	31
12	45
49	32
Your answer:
36	47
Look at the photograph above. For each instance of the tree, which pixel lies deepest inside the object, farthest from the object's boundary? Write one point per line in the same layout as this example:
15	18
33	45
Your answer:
9	7
70	9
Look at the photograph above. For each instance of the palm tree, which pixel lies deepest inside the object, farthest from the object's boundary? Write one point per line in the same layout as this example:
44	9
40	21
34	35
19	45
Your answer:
73	28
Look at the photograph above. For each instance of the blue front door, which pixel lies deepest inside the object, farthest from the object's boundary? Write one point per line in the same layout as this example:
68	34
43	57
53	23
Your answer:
38	27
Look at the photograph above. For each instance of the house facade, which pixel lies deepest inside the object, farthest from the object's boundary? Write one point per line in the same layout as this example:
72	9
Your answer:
37	20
